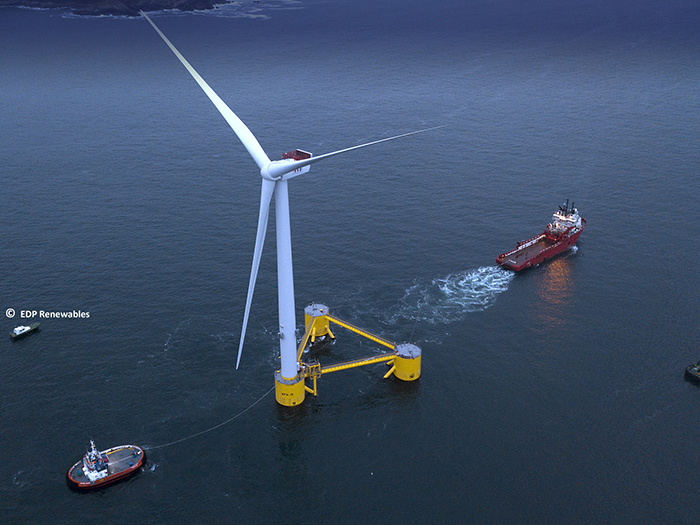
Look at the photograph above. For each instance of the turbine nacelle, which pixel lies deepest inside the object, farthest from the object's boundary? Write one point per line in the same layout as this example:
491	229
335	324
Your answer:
292	164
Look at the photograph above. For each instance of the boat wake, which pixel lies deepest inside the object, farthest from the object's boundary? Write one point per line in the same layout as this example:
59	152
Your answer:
448	299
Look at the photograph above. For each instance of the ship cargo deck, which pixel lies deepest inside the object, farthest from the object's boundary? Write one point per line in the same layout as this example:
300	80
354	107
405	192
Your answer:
121	459
524	253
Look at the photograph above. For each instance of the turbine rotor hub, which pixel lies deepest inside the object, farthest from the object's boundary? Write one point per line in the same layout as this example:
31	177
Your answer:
265	173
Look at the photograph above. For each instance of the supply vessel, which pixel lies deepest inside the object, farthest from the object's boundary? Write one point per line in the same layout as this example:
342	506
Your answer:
560	234
100	468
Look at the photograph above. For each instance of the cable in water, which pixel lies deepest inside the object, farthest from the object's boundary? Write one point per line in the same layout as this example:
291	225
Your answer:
212	428
414	329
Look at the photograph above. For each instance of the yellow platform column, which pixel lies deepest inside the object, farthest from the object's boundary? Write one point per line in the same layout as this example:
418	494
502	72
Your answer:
317	312
289	392
407	362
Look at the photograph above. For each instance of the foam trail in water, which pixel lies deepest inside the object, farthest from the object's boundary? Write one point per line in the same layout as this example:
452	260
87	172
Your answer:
448	299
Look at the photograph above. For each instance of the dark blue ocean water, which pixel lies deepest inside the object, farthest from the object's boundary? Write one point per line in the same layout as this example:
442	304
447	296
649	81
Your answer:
552	396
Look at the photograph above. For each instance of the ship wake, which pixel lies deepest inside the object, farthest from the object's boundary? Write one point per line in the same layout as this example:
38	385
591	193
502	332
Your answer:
449	299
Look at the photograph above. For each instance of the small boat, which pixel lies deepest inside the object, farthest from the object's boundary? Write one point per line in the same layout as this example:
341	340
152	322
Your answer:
692	372
98	469
21	331
560	234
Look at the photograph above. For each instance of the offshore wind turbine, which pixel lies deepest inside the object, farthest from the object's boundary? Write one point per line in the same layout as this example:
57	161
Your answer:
275	176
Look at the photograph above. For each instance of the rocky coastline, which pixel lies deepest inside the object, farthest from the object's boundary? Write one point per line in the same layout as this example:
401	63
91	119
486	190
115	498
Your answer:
113	7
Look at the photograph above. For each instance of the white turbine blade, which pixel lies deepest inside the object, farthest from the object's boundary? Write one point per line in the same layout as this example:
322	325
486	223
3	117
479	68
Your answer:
241	130
268	188
282	167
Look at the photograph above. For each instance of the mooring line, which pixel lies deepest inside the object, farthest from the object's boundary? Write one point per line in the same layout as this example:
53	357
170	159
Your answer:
414	330
212	428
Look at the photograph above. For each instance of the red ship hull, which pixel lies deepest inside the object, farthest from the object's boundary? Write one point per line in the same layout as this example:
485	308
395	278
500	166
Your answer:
537	249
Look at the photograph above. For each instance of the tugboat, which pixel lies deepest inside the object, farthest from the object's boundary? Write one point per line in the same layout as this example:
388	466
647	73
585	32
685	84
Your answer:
692	372
21	331
98	469
560	234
